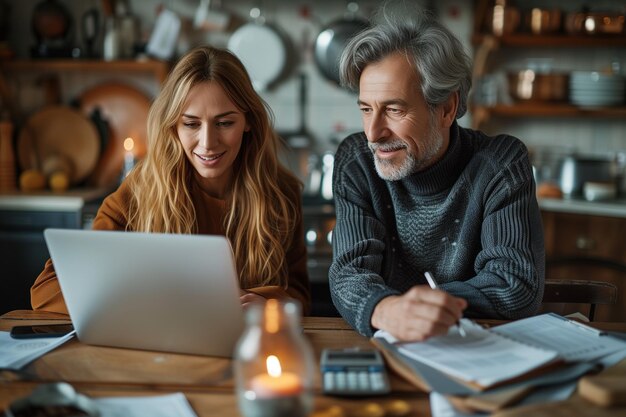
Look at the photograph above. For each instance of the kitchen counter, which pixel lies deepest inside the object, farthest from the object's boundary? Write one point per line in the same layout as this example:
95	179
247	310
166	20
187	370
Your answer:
70	201
610	208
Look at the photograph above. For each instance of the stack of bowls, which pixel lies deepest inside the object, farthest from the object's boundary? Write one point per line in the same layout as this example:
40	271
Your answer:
596	89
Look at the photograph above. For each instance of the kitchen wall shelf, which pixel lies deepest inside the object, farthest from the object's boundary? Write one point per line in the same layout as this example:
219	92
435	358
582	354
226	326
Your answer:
482	114
550	41
487	45
157	69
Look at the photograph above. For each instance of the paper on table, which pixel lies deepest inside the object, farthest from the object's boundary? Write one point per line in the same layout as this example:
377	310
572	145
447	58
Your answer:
16	353
573	341
171	405
482	357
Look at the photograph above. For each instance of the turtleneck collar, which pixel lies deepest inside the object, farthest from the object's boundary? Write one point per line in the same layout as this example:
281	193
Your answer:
444	173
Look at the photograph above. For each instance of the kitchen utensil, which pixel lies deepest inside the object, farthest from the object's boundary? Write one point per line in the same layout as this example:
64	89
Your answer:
90	26
63	131
328	162
162	43
503	18
544	21
532	85
52	25
125	109
332	40
209	19
262	48
301	160
577	170
595	23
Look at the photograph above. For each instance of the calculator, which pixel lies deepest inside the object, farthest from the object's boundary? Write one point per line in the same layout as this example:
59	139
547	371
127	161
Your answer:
353	372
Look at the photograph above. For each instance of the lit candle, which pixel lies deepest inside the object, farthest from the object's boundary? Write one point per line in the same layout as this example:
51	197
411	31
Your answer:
275	383
129	156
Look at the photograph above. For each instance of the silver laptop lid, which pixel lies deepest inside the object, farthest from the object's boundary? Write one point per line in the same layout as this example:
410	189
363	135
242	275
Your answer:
165	292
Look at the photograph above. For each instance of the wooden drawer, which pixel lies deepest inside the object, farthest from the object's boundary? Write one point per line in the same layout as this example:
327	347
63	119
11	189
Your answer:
569	234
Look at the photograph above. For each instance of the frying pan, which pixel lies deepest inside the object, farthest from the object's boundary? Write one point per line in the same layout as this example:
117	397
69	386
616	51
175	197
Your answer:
330	43
263	50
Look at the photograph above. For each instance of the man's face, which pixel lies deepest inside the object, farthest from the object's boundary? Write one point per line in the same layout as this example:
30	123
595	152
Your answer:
404	135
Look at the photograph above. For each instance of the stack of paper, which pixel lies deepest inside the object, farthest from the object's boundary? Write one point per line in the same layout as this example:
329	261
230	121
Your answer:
157	406
493	357
16	353
481	357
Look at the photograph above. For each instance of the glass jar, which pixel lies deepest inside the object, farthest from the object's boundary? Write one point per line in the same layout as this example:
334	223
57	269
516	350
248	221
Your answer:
274	363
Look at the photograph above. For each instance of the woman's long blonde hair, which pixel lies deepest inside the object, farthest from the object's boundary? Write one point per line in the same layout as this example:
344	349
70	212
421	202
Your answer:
262	210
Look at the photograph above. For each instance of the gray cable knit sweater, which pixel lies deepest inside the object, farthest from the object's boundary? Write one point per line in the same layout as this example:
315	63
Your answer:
471	219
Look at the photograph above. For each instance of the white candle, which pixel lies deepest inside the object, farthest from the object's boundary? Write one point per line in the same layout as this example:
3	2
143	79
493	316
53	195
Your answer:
276	383
129	155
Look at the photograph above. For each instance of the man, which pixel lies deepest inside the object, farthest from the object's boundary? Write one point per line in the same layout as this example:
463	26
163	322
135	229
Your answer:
415	192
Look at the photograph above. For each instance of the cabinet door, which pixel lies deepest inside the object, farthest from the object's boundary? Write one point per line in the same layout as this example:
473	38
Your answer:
23	252
588	247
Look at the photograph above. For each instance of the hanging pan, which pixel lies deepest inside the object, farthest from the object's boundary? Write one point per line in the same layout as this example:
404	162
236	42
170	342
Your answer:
262	48
332	40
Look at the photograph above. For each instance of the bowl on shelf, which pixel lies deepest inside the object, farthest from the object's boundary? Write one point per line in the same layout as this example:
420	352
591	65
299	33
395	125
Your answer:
596	89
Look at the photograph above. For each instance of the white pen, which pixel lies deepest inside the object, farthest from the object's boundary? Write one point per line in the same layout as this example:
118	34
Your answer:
434	286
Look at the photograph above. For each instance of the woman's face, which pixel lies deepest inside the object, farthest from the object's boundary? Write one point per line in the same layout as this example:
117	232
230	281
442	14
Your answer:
211	130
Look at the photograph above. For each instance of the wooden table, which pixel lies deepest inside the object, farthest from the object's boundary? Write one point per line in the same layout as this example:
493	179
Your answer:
207	382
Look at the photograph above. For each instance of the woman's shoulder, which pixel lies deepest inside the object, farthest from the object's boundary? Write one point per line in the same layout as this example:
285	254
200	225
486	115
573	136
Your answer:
115	208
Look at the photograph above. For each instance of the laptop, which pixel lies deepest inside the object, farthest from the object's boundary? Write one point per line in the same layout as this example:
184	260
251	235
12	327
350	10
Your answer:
163	292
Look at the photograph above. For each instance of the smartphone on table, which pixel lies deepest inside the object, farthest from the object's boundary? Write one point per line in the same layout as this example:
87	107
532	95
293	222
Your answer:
41	330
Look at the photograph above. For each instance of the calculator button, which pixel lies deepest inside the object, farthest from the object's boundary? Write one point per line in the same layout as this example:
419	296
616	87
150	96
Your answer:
329	380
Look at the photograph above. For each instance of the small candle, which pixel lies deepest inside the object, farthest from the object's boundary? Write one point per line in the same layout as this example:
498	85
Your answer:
129	156
275	383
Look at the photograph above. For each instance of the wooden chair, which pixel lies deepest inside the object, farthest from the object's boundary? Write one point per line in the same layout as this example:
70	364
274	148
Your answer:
573	291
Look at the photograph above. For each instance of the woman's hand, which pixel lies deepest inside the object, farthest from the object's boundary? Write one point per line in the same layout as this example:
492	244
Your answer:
248	298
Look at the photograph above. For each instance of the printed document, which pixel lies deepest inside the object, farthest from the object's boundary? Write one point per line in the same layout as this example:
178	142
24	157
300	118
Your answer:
15	353
574	341
487	357
481	357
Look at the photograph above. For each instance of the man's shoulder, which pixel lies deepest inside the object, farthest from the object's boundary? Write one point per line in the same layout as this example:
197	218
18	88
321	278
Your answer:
502	149
353	148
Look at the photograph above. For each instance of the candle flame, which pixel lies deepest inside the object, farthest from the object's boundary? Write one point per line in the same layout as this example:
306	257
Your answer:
273	366
129	144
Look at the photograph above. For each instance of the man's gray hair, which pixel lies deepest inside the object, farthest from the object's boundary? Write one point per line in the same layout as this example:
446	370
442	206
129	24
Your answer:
438	56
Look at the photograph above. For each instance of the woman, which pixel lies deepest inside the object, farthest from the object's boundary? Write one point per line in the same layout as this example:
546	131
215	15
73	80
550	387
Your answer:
211	168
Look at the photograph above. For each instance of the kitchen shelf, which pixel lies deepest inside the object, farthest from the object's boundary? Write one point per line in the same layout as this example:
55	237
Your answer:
551	41
158	69
482	114
555	110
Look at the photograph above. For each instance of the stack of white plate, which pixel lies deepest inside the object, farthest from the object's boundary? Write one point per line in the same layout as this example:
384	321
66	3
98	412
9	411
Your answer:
596	89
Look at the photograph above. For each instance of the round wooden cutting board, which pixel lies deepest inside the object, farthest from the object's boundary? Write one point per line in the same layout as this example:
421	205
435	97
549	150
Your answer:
59	131
125	109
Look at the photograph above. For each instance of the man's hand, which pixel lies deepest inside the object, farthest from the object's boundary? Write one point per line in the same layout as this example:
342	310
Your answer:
418	314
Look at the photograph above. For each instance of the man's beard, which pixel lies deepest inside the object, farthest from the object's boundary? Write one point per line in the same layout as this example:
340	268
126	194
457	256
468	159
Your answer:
394	171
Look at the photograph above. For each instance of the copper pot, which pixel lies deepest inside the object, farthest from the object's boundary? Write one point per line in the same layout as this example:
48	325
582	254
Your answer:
542	21
529	85
502	18
595	23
